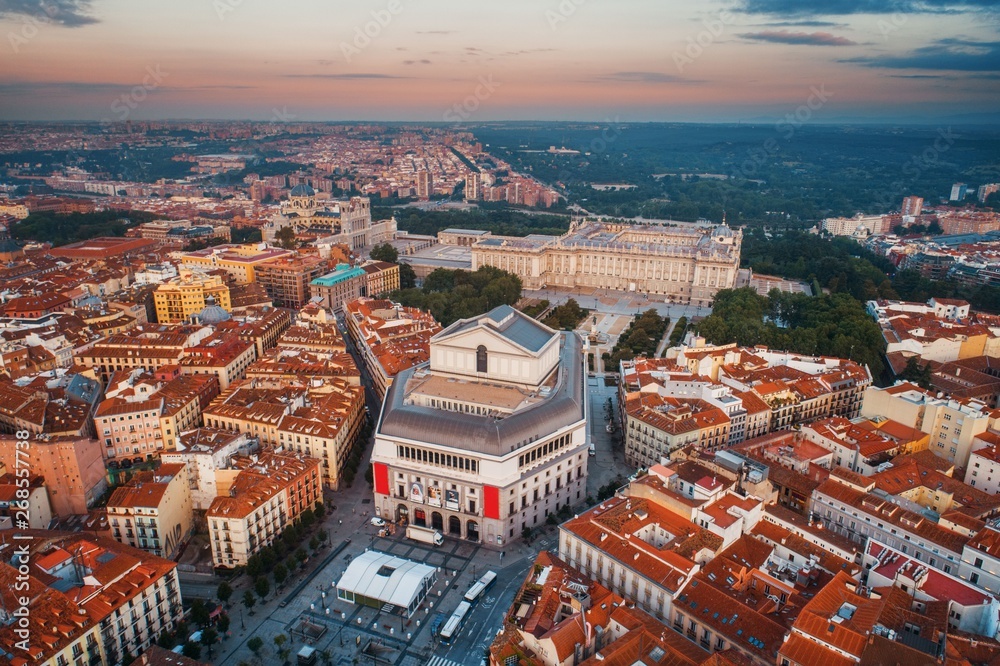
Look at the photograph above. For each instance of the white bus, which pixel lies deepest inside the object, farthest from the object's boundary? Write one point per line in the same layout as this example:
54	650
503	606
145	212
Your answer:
454	622
480	586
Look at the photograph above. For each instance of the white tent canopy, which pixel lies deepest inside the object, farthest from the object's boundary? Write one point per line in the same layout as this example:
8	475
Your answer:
387	579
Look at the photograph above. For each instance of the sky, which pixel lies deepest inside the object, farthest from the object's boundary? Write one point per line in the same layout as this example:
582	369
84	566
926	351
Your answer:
452	60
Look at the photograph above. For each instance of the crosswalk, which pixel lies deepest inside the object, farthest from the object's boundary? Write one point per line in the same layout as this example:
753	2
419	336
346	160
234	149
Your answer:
441	661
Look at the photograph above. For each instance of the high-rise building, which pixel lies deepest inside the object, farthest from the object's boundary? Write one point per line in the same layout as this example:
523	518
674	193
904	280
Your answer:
489	438
425	185
473	187
958	192
912	205
986	190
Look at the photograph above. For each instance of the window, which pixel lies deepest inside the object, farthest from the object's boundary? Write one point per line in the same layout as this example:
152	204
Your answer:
481	359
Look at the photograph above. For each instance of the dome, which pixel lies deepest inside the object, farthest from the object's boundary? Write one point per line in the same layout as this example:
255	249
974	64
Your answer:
212	313
723	231
302	191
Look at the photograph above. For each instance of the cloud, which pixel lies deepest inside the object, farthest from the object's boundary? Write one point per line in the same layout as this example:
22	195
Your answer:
358	75
13	87
804	24
423	61
526	52
645	77
951	54
70	13
844	7
801	38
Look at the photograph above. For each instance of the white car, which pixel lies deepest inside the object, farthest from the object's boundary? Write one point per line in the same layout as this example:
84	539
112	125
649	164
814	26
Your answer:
378	522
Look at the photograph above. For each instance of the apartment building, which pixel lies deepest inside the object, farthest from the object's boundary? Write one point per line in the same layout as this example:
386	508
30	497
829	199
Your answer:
240	262
92	601
179	298
72	467
848	506
204	452
287	280
343	285
153	511
952	424
380	278
223	354
390	338
321	417
148	347
269	492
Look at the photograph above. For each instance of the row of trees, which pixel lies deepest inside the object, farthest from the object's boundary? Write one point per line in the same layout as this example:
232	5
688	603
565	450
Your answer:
386	252
565	317
842	266
640	339
450	295
64	229
830	325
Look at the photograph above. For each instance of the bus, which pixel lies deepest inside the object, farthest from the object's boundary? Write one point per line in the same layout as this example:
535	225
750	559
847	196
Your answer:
480	586
454	622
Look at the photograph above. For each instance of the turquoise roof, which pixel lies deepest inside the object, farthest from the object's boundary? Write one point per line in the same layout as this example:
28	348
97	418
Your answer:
343	273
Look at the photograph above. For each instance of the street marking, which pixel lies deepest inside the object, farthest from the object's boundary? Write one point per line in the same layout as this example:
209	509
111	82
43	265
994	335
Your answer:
441	661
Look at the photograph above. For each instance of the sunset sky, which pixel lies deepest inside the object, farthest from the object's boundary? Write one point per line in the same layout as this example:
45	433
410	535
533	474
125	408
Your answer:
632	60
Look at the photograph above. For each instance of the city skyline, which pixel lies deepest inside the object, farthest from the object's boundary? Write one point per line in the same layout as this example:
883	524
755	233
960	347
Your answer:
395	60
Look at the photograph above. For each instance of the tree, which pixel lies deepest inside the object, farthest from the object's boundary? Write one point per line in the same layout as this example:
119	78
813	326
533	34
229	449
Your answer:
280	640
249	600
254	566
280	573
914	372
308	518
199	613
225	592
301	555
314	544
385	252
286	238
255	644
192	650
262	587
208	638
320	510
407	276
223	623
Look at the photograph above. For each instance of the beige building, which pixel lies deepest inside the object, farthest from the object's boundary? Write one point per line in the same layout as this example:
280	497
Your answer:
952	424
321	418
683	264
490	437
239	261
188	294
267	494
72	467
381	277
153	511
348	222
204	452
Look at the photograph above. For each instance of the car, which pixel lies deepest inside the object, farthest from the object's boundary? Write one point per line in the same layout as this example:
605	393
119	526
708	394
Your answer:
609	428
378	522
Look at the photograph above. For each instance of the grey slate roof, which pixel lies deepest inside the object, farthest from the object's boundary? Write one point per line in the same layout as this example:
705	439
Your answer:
515	326
485	434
